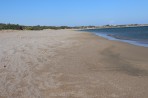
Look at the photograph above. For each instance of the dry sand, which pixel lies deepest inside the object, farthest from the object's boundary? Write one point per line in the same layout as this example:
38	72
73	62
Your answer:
70	64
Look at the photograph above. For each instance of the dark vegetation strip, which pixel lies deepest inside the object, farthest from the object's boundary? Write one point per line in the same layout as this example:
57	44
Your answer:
21	27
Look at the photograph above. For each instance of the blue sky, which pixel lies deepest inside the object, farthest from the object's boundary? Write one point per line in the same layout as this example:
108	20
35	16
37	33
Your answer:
73	12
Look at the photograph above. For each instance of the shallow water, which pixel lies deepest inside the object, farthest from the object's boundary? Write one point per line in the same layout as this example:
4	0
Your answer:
133	35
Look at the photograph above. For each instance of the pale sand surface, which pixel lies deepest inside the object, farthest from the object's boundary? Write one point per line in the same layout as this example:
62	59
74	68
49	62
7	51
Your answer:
70	64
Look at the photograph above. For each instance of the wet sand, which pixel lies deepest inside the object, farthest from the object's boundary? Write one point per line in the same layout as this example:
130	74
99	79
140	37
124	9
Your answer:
70	64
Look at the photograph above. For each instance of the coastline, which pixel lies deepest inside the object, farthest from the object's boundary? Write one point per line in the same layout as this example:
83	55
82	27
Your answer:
61	63
132	42
119	37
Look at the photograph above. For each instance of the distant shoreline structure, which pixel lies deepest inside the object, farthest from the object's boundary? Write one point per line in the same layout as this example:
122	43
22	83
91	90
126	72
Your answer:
4	26
113	26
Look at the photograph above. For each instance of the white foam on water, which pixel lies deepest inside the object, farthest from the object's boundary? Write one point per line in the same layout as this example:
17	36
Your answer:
137	43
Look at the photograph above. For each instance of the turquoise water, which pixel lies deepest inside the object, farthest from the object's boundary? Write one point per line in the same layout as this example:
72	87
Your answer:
133	35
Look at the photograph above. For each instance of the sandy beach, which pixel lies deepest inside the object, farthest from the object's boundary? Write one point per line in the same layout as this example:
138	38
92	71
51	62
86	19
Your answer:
70	64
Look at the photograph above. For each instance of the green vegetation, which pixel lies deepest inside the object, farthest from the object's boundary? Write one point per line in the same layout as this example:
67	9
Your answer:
10	26
45	27
38	27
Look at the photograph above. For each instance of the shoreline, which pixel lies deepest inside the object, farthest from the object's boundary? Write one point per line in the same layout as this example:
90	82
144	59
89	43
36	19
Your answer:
131	42
61	63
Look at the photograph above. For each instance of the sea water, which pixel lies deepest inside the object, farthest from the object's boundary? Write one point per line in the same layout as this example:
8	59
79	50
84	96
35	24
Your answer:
133	35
